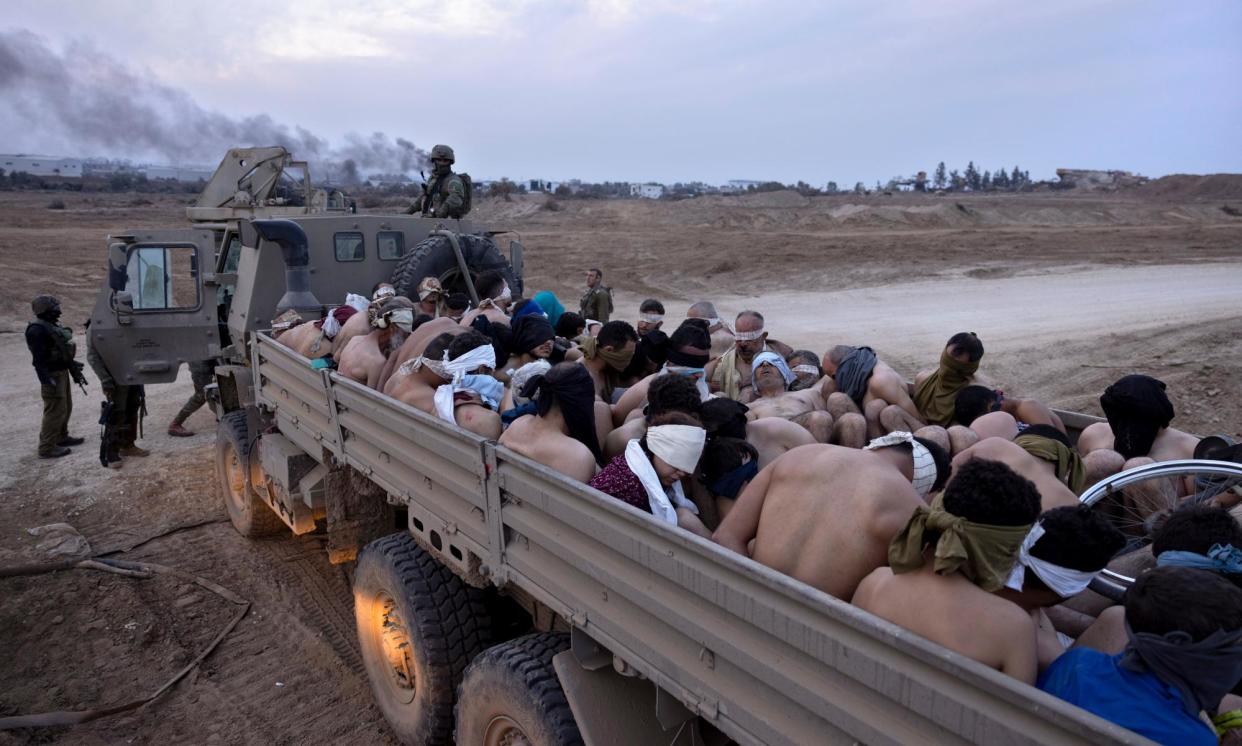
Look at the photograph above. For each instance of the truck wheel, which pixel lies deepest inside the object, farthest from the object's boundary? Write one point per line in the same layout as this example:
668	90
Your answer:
511	695
434	257
251	516
419	626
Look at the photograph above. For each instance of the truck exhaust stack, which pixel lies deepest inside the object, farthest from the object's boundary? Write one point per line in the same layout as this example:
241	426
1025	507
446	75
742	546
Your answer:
291	239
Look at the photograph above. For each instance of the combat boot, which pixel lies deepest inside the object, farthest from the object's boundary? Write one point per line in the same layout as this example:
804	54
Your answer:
71	441
56	452
177	430
133	451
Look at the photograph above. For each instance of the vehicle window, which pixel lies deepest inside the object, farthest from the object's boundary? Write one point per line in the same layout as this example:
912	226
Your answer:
161	278
232	253
391	244
349	247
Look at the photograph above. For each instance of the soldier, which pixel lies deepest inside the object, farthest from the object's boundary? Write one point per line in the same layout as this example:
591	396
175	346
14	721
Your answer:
597	301
445	196
201	374
124	407
52	351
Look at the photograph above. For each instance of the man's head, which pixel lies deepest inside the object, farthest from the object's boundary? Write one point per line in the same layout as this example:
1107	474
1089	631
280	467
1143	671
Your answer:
491	284
1179	599
989	492
834	357
570	325
1077	538
690	346
1137	409
594	276
1196	529
382	290
430	292
672	394
463	343
455	305
806	369
770	374
393	318
650	316
727	465
677	455
436	348
930	464
568	388
532	335
965	347
442	158
46	307
619	339
973	402
749	335
725	418
705	310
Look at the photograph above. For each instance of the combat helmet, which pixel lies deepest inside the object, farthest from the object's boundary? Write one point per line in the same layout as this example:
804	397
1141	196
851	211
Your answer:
443	152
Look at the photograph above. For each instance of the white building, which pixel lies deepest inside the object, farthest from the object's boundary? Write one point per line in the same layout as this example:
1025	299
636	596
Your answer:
188	173
650	190
42	165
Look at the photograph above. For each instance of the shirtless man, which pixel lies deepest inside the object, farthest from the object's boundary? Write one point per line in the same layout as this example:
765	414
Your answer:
360	323
722	335
1053	492
806	369
808	408
874	388
605	356
650	317
730	374
363	358
561	435
949	599
823	514
1137	433
414	345
667	393
430	293
416	384
771	436
316	339
686	355
935	391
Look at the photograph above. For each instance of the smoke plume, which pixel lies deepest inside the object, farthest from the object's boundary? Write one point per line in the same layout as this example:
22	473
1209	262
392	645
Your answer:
86	100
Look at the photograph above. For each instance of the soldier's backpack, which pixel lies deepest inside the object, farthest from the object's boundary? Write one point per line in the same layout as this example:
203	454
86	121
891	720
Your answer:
468	198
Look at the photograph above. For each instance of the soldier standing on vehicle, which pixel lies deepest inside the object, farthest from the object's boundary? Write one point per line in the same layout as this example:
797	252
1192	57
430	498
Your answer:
445	196
122	410
201	373
52	351
597	301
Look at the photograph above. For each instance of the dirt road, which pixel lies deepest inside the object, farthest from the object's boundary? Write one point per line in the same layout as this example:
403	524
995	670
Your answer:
1067	294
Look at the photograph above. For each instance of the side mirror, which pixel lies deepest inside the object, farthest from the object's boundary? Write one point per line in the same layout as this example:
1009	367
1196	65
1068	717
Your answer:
118	260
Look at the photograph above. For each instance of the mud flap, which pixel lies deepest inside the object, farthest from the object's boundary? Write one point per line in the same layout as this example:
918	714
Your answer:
356	517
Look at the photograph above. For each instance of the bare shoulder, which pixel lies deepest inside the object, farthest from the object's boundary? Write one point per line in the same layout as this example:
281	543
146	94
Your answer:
872	585
517	430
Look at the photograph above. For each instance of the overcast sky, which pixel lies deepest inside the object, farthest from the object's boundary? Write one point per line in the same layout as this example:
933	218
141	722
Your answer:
677	91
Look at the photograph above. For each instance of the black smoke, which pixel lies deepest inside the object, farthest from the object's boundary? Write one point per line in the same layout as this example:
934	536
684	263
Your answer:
88	100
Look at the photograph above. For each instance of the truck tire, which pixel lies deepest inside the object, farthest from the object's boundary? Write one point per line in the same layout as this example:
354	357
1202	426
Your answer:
434	257
511	694
252	517
419	626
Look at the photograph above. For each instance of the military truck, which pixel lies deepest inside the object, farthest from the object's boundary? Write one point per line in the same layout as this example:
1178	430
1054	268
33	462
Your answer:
497	601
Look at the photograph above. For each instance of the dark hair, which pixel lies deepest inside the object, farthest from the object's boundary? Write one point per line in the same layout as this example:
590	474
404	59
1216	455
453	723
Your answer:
752	314
598	272
940	457
1196	528
972	403
672	393
615	334
466	342
968	343
724	417
457	302
1078	537
421	319
838	354
723	455
806	357
436	347
669	418
985	491
1179	599
690	345
651	305
570	325
489	284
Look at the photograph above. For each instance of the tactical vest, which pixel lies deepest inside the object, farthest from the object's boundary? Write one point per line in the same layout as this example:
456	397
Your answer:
64	349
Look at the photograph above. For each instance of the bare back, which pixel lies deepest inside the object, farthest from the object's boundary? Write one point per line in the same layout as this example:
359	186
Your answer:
550	447
773	436
357	325
1052	491
361	360
414	345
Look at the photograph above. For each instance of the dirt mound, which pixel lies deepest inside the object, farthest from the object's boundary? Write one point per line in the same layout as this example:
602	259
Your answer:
1191	186
786	198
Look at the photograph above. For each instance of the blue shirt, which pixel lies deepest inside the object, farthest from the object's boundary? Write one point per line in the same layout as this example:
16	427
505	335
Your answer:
1139	701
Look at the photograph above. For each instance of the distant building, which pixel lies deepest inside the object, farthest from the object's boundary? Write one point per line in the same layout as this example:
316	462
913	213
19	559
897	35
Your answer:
42	165
740	185
176	173
650	190
1079	178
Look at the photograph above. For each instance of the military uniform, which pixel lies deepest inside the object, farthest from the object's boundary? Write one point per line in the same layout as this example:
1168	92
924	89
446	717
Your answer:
121	413
201	374
445	195
52	352
597	303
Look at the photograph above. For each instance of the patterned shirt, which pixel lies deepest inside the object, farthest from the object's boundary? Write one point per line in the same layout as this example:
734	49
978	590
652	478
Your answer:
618	480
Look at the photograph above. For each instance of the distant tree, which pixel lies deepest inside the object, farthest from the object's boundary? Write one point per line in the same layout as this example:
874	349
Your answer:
1015	178
832	188
1000	180
562	190
973	178
956	182
987	181
859	188
1026	177
503	189
940	180
878	188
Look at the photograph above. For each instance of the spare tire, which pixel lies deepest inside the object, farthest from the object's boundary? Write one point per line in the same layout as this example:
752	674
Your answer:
434	257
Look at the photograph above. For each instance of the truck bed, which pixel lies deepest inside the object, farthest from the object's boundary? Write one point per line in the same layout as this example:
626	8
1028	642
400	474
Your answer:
759	655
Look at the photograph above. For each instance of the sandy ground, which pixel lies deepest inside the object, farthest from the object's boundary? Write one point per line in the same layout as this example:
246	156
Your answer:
1067	292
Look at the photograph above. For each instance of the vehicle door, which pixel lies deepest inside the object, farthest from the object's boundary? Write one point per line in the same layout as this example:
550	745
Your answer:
159	306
